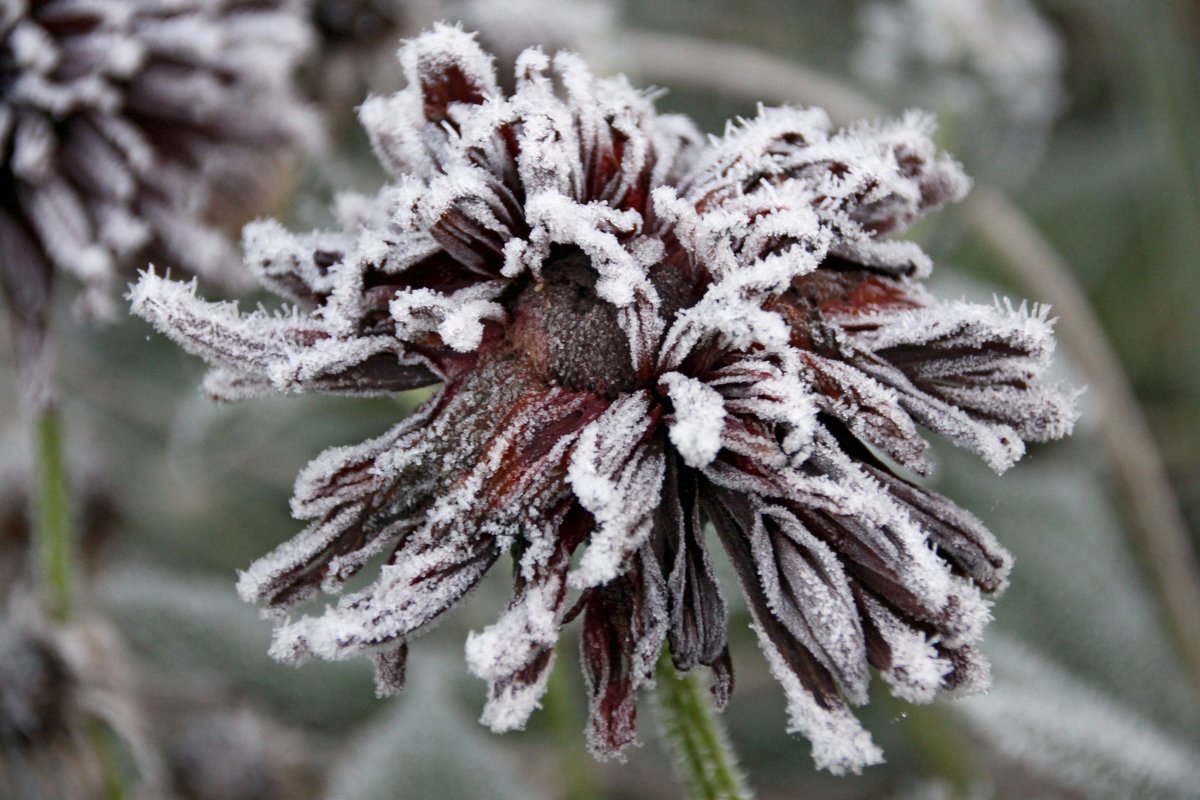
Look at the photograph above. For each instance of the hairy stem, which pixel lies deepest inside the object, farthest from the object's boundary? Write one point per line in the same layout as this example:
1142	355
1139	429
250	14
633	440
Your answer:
703	756
53	538
1162	535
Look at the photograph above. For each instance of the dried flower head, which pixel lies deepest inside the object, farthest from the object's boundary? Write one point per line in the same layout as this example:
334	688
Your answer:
639	333
128	127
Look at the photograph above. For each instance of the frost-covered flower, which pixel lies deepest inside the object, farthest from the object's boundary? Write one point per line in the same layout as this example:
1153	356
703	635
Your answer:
128	128
638	333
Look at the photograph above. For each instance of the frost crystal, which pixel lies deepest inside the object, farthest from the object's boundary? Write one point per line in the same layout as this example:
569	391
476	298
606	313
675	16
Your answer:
639	335
135	128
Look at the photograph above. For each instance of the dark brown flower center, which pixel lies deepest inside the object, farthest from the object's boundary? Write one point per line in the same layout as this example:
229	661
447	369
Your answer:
572	336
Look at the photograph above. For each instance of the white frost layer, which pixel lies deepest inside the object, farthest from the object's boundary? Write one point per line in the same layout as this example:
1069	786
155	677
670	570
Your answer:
618	478
527	629
458	318
808	592
699	419
916	671
414	592
840	744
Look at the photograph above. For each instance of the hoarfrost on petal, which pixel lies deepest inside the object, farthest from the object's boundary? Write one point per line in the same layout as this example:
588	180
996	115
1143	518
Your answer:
425	581
699	419
617	476
839	742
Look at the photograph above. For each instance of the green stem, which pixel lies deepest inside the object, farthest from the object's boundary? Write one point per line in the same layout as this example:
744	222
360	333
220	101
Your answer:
704	758
53	539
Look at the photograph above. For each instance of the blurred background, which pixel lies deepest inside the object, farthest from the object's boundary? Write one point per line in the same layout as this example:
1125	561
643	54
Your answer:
1079	121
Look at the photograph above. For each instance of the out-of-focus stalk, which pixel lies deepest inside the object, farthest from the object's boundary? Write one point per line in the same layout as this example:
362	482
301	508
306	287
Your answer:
53	538
703	755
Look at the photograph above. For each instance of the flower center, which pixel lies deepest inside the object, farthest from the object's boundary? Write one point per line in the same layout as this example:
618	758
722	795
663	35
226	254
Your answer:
571	336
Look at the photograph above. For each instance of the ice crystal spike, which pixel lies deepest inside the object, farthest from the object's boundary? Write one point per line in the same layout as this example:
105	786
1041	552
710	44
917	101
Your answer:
638	335
134	129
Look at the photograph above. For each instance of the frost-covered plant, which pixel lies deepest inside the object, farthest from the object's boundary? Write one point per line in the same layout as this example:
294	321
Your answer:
126	127
996	65
639	333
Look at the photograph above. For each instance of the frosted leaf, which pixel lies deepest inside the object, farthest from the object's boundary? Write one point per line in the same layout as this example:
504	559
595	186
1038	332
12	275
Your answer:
391	670
869	409
960	537
457	318
867	527
443	68
950	363
1043	717
510	704
696	604
862	182
425	581
295	267
623	629
286	351
720	321
271	578
515	655
558	220
1027	331
336	489
771	391
751	151
914	668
